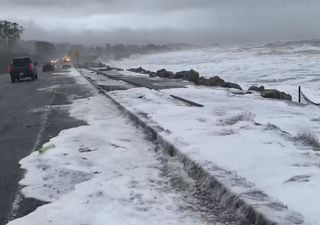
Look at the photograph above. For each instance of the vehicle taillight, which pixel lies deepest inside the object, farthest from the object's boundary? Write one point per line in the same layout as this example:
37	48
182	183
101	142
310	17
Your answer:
30	66
9	69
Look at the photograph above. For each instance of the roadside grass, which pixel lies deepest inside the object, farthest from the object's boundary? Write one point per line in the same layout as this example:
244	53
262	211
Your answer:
309	139
244	116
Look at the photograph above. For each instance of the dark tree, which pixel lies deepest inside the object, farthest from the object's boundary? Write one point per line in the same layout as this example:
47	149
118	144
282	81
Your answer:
10	32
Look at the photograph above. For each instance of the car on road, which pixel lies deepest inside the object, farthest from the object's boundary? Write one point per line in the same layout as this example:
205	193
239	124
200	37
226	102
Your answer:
22	68
66	62
66	66
48	67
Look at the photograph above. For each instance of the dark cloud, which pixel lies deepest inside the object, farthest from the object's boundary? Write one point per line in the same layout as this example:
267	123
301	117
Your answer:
114	5
136	21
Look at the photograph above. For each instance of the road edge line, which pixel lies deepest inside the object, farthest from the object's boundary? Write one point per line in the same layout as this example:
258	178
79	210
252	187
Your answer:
15	206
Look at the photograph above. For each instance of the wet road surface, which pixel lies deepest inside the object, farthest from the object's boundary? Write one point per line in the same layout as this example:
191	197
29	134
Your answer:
30	114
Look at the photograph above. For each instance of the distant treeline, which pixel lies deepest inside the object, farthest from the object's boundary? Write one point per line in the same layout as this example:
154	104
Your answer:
121	51
44	49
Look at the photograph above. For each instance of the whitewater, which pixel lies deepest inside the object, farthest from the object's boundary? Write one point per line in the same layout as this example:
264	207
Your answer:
270	145
280	65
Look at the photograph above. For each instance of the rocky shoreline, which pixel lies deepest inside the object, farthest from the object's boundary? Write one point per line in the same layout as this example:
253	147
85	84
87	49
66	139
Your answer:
216	81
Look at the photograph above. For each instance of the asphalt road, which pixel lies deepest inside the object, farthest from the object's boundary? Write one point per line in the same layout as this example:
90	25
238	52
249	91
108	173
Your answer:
24	128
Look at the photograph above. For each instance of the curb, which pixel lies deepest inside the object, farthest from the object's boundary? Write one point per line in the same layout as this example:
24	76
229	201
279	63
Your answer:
233	192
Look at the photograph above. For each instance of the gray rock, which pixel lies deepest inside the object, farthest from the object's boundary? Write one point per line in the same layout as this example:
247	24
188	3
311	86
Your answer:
191	75
181	75
261	88
140	70
165	73
216	81
232	85
212	81
143	71
255	88
202	81
273	93
152	74
109	68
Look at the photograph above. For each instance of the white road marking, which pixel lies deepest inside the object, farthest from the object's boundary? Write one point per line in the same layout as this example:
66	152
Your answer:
18	196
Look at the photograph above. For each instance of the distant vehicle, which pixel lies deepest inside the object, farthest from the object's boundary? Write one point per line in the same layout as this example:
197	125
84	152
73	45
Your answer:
66	66
48	67
22	68
66	62
66	59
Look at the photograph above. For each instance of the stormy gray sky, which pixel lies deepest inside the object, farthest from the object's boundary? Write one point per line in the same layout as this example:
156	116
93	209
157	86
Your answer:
163	21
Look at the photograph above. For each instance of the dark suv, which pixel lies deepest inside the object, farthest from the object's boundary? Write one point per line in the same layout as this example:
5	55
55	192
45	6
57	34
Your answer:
48	67
22	68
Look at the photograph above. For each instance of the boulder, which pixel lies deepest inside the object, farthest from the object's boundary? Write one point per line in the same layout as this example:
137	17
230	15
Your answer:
273	93
105	69
255	88
143	71
181	75
138	70
212	81
165	73
152	74
203	81
118	69
232	85
216	81
193	76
